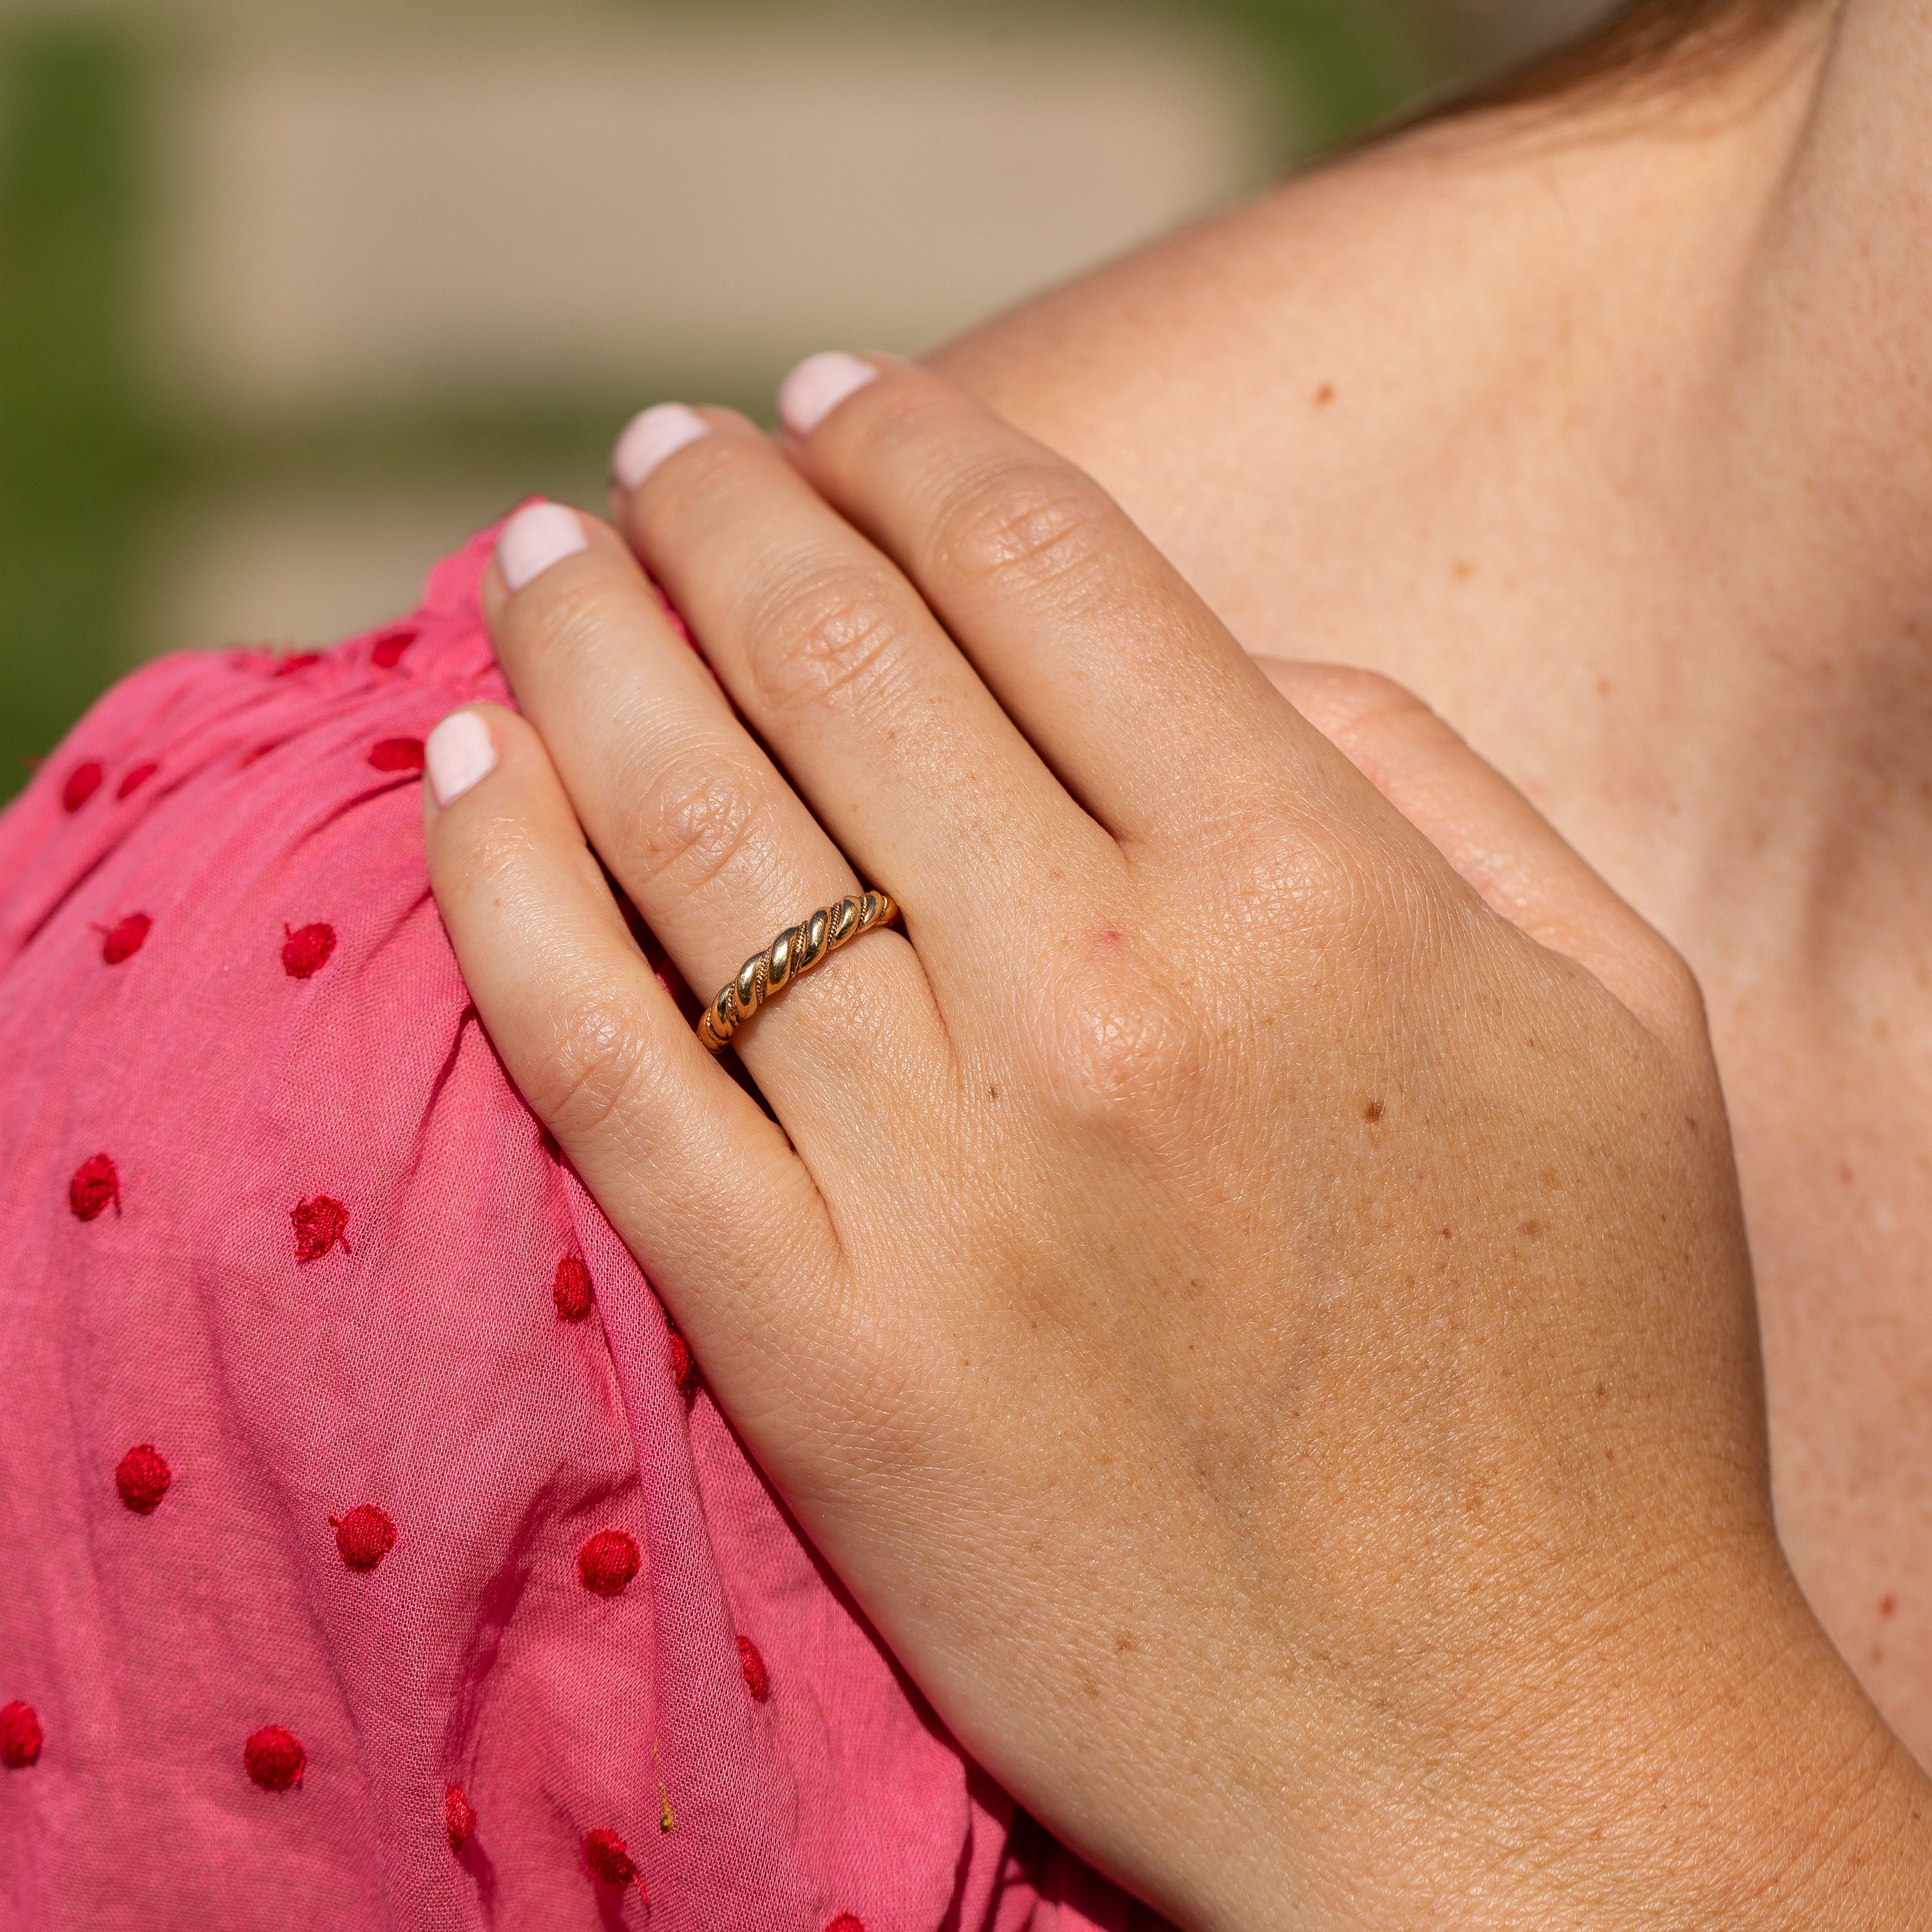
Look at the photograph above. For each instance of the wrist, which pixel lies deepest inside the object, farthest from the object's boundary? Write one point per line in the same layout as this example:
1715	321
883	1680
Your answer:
1726	1767
1714	1763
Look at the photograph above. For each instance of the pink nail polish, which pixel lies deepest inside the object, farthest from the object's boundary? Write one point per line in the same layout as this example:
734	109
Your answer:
650	437
457	753
538	535
818	385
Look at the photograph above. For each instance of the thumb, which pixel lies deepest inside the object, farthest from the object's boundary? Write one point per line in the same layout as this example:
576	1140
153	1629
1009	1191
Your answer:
1496	839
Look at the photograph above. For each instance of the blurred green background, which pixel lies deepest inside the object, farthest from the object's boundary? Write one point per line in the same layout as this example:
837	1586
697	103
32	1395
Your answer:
292	295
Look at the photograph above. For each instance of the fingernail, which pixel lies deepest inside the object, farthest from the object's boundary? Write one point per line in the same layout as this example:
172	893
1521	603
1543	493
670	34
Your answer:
458	752
817	386
653	435
538	535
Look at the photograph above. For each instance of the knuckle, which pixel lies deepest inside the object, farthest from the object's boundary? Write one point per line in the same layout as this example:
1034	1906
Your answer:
1035	523
1312	875
698	817
569	615
836	633
1129	1050
597	1069
1382	727
1347	698
1333	911
711	471
494	851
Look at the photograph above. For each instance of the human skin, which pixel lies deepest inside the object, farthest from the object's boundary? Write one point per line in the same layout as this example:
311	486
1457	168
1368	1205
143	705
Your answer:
1249	1293
1604	428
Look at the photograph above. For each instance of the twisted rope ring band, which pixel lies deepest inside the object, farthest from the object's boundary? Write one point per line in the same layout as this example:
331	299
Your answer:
787	959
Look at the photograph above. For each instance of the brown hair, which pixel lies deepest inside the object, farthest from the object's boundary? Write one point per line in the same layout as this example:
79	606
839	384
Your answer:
1640	40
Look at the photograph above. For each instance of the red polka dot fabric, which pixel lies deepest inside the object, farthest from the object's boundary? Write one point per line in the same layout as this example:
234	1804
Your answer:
364	1536
124	938
757	1679
459	1820
83	780
608	1562
19	1736
570	1289
141	1477
274	1758
374	1556
306	949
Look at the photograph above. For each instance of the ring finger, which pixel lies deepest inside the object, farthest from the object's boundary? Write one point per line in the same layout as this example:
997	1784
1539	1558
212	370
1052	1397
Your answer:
703	832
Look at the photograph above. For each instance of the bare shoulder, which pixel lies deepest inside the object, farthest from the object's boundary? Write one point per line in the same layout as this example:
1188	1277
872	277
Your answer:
1423	322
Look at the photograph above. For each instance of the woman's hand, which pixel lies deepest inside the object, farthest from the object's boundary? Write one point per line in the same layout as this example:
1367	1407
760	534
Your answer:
1252	1300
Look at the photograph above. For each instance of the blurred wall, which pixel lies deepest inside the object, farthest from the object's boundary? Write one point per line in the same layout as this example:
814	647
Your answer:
293	294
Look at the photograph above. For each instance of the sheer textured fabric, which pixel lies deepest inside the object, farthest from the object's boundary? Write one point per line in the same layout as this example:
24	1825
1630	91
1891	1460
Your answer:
371	1555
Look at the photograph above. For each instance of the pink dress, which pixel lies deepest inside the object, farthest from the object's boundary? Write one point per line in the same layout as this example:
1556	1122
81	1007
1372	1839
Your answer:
371	1555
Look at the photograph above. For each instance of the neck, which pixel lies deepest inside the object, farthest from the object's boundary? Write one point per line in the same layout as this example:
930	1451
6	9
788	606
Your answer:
1792	721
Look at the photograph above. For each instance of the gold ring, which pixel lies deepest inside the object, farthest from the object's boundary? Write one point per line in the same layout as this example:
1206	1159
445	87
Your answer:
787	959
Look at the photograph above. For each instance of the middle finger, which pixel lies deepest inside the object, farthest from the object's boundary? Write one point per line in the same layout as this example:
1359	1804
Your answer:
906	758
